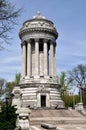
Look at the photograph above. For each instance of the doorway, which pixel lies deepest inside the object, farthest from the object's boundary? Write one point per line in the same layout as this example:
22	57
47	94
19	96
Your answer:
43	101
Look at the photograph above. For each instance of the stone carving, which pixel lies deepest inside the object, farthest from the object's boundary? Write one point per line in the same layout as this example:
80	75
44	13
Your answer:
16	97
43	89
39	25
23	118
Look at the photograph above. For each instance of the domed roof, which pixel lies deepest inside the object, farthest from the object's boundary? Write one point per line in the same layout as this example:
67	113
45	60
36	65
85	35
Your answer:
38	23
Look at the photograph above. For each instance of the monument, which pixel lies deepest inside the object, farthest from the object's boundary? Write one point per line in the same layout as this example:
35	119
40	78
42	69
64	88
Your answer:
38	86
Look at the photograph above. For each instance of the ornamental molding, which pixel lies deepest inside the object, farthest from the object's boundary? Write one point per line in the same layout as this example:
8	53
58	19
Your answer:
46	30
43	89
39	35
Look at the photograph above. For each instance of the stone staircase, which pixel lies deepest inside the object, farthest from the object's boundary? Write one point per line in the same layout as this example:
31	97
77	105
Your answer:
57	116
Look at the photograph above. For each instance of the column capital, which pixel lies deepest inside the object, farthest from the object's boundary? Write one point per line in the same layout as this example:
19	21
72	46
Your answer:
36	39
45	40
23	43
29	41
53	42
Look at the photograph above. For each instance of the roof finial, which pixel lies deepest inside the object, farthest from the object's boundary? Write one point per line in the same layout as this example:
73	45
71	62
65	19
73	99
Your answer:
38	15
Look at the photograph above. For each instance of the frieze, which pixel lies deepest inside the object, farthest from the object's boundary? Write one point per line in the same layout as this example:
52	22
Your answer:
38	34
46	30
38	24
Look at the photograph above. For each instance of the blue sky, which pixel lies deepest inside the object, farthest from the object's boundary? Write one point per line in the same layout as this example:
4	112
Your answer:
69	17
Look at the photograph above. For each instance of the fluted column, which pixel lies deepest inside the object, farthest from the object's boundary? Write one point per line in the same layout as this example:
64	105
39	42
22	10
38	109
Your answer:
36	57
45	58
29	58
54	61
51	59
23	60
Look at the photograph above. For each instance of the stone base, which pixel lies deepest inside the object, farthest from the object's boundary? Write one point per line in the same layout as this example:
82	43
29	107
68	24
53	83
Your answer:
79	106
35	95
38	93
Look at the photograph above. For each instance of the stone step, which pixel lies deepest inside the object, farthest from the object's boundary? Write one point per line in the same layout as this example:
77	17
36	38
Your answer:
55	121
62	127
55	113
56	116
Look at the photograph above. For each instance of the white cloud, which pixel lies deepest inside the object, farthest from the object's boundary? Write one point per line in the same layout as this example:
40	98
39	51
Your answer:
8	60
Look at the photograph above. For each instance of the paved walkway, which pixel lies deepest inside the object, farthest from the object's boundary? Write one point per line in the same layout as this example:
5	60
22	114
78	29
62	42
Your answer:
62	127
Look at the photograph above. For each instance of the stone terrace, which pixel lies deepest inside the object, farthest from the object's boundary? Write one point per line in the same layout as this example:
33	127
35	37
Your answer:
64	119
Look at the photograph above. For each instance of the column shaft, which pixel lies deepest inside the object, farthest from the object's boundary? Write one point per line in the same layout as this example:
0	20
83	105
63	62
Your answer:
51	59
29	59
45	58
23	60
37	57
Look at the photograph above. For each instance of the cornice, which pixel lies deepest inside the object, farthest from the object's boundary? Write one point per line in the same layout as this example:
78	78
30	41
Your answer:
46	30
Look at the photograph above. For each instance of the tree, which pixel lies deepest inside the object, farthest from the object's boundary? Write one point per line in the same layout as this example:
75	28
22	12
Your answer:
8	117
17	78
64	82
11	85
8	17
78	76
65	86
7	87
70	100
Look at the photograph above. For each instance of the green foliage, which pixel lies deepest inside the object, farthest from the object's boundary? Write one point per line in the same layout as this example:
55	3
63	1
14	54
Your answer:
11	85
84	98
8	117
70	100
17	78
7	87
64	82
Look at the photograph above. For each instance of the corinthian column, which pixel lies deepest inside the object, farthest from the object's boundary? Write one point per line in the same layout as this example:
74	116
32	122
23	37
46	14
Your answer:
36	57
45	58
23	60
29	58
51	59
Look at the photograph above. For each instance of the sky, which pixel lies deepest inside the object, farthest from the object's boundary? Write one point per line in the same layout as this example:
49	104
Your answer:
69	17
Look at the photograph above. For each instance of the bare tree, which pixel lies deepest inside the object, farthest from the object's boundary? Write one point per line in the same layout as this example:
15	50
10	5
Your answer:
78	76
8	17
